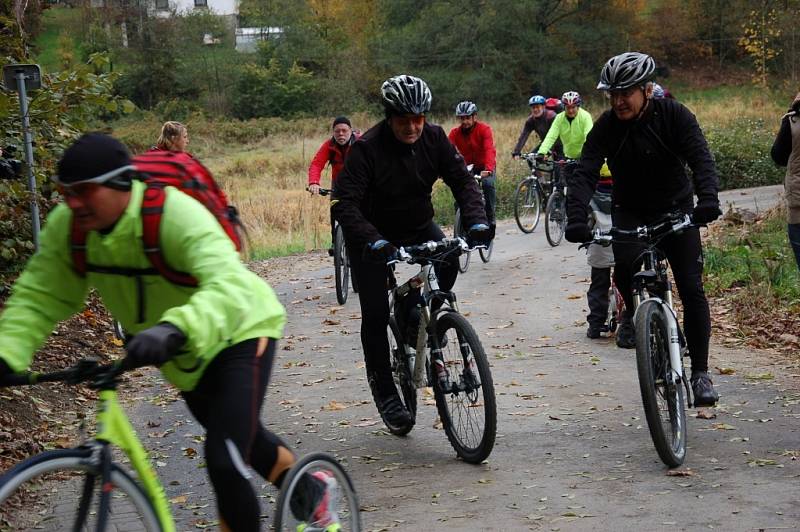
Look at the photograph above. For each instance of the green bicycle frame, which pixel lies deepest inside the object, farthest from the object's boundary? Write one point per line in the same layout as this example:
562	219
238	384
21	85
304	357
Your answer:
114	427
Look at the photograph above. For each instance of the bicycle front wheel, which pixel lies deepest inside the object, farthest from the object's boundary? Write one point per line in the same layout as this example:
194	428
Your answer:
662	396
467	406
317	494
527	205
555	217
60	490
458	230
341	267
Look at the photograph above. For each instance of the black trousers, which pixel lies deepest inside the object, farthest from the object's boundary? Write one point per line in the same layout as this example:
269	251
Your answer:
374	299
227	403
685	255
597	296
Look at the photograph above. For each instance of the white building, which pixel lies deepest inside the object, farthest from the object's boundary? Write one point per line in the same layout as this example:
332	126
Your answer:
219	7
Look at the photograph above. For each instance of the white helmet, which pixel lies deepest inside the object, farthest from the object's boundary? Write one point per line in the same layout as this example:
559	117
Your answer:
571	98
466	108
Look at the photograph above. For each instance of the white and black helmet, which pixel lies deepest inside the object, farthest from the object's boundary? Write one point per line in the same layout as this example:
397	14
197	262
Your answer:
626	70
466	108
406	94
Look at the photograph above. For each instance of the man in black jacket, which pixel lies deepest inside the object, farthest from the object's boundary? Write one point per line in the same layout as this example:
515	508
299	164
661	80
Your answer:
382	200
648	142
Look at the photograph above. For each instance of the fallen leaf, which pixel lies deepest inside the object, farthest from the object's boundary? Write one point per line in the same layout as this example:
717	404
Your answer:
680	473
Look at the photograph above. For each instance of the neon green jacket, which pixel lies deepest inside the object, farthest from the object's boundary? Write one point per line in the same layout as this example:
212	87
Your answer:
572	134
230	304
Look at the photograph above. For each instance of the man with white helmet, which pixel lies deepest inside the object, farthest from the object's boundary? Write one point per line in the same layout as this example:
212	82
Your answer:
648	142
570	126
382	200
539	121
475	142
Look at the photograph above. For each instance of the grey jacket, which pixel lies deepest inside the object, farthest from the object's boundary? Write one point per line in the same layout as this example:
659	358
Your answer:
786	152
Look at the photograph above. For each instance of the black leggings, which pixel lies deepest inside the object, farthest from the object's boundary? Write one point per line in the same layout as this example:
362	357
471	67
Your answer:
685	255
373	295
227	402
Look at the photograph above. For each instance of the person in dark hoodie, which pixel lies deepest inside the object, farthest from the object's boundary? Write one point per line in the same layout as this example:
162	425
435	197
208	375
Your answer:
382	200
648	143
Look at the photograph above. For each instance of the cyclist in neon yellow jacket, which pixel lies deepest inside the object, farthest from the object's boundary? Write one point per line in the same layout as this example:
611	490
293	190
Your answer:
571	126
215	342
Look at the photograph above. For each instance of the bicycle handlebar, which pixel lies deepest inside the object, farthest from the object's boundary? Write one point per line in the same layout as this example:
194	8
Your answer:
426	250
322	191
84	370
672	223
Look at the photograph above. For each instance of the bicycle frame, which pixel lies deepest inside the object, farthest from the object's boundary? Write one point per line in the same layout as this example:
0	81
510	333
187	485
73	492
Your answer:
114	427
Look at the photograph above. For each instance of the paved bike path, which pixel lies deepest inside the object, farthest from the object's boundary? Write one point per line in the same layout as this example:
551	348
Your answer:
573	451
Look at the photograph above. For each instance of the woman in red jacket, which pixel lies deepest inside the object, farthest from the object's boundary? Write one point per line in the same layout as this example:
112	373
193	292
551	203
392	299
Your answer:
333	151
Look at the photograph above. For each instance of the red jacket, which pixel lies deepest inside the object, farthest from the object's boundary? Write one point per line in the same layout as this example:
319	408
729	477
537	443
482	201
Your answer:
329	152
476	145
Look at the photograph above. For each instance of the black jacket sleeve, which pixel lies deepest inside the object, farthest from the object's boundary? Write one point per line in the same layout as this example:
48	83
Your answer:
782	147
693	148
586	175
454	173
523	137
352	185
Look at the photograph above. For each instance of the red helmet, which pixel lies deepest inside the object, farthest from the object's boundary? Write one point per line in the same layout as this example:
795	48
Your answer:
552	103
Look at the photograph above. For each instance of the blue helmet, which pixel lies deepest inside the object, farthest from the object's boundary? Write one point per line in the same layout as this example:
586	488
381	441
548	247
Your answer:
536	99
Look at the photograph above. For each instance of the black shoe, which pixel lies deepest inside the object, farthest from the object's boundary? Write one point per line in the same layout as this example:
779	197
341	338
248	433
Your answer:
594	331
393	413
703	389
330	252
626	335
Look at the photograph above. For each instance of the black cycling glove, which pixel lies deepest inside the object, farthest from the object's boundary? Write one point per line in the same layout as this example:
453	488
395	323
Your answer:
480	235
578	232
154	346
706	212
381	251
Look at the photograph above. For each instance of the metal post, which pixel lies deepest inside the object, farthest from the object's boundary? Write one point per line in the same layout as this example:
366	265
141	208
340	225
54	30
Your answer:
26	132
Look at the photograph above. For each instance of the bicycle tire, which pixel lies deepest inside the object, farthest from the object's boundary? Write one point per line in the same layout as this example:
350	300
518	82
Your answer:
458	230
341	266
555	218
284	518
659	396
403	380
486	254
456	353
46	484
611	315
527	200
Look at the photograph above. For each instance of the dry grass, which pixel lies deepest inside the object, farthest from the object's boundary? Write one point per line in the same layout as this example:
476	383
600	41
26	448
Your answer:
263	163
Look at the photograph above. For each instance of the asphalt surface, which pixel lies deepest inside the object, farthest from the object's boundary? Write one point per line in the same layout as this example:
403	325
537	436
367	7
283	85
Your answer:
573	451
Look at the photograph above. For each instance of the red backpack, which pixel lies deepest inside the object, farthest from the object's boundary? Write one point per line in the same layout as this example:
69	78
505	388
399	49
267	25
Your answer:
159	169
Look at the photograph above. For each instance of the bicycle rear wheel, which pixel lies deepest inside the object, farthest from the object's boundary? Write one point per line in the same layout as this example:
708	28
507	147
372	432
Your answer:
341	266
317	494
401	372
555	217
458	230
663	398
486	254
467	409
60	490
527	205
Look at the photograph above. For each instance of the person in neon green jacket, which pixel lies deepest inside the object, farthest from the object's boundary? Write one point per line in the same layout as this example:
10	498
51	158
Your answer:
215	342
571	126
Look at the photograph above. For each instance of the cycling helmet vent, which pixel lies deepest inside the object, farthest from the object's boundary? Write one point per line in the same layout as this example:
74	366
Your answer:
571	98
466	108
537	99
406	94
626	70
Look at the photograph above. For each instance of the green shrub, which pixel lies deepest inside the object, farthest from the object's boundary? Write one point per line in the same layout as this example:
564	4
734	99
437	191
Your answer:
741	149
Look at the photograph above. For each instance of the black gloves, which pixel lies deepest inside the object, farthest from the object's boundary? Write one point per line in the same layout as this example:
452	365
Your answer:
480	235
380	251
154	346
706	211
578	232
